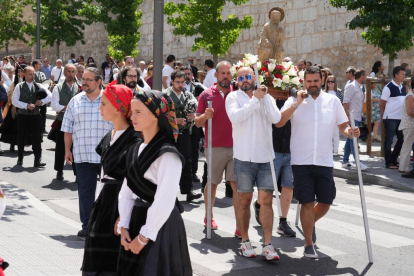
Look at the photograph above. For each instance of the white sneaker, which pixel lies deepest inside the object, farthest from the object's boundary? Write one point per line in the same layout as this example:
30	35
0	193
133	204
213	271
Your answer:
247	249
349	165
363	166
269	253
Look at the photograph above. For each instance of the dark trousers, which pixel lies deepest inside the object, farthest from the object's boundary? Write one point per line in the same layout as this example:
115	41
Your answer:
195	143
60	149
391	129
43	110
33	124
86	175
102	273
184	148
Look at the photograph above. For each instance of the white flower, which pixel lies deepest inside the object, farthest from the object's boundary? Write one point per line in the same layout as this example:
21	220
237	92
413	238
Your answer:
292	72
273	61
301	74
277	82
259	64
261	79
233	70
251	58
286	79
271	67
286	64
295	81
239	64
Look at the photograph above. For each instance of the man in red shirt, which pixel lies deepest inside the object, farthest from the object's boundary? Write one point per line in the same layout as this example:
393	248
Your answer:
222	140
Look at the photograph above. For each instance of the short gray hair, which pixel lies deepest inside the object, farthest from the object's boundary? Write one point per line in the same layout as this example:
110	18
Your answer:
9	68
95	71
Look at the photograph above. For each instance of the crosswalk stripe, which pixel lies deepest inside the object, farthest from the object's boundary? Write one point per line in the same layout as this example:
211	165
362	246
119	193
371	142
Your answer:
217	259
390	192
374	201
381	216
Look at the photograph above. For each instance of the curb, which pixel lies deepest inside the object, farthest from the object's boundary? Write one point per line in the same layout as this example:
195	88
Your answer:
372	179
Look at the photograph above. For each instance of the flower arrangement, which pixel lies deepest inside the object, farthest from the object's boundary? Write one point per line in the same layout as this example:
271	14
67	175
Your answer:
283	76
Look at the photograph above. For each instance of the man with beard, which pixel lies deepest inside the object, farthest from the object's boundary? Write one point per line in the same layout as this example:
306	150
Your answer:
79	73
84	128
251	156
311	150
196	89
180	97
25	99
130	77
222	141
61	96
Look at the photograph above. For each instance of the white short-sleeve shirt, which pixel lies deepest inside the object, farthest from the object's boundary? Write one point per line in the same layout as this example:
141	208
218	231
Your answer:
166	72
312	129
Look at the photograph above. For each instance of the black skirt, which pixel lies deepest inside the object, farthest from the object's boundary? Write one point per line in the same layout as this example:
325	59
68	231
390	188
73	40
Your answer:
167	256
101	244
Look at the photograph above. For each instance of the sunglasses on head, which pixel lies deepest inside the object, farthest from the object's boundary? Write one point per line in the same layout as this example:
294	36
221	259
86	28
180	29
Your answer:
241	78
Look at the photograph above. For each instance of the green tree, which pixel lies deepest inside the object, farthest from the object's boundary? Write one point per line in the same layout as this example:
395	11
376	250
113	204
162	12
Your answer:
122	21
203	19
61	21
387	24
12	25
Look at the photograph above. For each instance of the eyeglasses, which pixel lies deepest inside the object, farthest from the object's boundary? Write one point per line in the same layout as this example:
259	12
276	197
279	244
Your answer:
132	76
241	78
149	69
330	81
87	80
188	74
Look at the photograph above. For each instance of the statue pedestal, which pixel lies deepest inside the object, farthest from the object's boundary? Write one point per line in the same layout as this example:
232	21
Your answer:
277	94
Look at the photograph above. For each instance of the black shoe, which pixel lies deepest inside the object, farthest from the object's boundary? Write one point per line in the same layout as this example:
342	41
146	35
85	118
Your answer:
410	174
195	178
59	175
19	162
38	164
257	212
285	229
82	233
12	148
229	190
191	196
1	152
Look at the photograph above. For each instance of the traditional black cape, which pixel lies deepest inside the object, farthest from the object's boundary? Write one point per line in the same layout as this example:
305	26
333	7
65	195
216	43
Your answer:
101	245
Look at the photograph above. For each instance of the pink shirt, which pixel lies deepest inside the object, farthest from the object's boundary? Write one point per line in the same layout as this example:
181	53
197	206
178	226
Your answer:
222	129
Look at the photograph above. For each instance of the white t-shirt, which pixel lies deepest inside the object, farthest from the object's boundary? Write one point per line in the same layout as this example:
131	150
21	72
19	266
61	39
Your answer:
56	72
166	72
210	78
394	105
312	129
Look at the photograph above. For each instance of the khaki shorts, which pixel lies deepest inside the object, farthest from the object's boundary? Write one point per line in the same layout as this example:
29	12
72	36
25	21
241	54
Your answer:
222	161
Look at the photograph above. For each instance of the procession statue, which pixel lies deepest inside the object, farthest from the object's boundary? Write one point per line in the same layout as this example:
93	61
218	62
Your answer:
272	36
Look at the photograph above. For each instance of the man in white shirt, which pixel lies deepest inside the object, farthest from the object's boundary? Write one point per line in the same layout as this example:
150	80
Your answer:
72	59
350	76
312	122
251	157
141	69
210	78
25	98
57	72
354	101
391	106
167	70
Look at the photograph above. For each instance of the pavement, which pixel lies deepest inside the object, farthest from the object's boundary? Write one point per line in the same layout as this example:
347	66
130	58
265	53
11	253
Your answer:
38	229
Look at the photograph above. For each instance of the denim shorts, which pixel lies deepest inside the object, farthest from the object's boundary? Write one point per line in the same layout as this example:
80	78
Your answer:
283	169
249	174
314	181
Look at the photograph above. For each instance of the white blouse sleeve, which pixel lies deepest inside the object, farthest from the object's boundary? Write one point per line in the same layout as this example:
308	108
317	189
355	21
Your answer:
166	173
126	200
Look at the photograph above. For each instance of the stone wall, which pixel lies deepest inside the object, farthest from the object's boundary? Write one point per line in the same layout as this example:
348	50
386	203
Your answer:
315	31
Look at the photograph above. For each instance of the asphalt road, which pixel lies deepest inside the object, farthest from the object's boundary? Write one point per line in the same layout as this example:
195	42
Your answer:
341	237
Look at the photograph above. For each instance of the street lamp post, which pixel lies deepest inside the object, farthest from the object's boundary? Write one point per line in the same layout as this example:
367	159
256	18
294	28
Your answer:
38	31
158	43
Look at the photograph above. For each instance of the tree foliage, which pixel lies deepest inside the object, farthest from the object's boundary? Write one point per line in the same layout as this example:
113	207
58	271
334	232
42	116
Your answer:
61	21
12	25
387	24
203	20
122	21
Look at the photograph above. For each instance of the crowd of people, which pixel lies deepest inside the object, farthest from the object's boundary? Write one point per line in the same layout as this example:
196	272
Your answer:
144	146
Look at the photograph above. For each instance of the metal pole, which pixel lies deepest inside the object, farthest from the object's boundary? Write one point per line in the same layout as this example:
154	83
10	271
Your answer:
268	144
209	145
297	214
361	191
38	31
158	33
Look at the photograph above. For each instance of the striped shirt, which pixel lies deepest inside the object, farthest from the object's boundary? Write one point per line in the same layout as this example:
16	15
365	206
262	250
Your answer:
83	119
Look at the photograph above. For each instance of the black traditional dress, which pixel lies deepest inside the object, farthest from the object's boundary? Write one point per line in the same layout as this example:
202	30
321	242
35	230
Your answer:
168	254
102	245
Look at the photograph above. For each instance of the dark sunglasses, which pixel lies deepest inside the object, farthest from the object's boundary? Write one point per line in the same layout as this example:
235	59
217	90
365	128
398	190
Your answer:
241	78
330	81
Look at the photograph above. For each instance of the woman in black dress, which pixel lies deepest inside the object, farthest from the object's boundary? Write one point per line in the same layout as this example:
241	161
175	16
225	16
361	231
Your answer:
102	240
153	235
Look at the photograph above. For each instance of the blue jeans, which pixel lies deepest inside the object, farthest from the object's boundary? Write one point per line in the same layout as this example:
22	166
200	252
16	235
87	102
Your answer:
86	177
283	169
391	128
349	147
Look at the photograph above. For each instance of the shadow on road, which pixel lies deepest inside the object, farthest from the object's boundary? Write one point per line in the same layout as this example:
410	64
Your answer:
58	185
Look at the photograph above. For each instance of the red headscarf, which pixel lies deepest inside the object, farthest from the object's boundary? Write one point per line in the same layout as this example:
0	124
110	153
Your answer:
120	96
